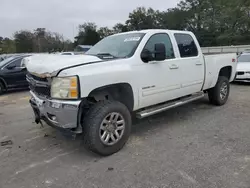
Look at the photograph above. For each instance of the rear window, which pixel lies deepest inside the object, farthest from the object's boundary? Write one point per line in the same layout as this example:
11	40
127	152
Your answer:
186	45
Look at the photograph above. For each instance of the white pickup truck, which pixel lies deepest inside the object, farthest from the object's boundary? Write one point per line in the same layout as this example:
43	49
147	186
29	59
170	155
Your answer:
140	72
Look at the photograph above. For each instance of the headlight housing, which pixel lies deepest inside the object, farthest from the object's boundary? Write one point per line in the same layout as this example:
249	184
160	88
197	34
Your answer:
65	87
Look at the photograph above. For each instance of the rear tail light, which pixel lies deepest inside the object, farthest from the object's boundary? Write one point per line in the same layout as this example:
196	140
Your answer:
233	60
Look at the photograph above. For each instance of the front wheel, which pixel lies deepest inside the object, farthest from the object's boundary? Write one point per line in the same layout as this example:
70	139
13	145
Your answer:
107	127
219	94
1	88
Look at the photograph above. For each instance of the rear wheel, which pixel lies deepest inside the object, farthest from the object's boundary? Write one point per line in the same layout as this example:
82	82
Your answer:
107	127
219	94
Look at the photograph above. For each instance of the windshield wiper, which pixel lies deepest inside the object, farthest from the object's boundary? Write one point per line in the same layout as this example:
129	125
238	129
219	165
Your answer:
106	55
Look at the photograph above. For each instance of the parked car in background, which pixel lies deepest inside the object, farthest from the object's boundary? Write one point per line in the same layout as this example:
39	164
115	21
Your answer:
83	48
12	73
243	67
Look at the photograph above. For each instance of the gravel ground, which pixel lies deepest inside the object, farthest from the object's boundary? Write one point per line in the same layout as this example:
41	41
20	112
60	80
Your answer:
196	145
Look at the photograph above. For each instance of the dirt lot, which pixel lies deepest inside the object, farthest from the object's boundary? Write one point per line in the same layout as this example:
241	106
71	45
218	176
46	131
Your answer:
196	145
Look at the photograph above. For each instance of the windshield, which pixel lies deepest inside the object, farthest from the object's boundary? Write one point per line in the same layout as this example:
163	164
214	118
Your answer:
119	46
6	61
244	58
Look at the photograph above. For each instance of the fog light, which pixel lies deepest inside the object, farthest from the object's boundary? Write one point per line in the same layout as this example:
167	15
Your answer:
51	117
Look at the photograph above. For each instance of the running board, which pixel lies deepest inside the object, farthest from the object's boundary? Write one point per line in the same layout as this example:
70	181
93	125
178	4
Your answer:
162	107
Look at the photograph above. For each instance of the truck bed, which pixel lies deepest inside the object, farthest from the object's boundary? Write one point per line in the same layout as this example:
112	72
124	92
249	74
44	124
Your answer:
213	65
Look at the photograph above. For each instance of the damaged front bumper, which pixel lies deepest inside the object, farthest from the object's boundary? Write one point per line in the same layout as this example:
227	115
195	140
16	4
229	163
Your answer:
60	114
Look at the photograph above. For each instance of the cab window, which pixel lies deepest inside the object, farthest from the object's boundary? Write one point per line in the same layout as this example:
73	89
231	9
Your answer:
161	38
186	45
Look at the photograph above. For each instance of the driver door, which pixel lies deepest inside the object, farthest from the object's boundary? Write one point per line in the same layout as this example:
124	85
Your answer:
160	80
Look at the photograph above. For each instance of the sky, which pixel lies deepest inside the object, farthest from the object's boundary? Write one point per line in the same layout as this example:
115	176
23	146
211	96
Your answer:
63	16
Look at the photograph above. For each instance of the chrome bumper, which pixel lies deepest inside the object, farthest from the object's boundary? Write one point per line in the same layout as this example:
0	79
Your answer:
57	113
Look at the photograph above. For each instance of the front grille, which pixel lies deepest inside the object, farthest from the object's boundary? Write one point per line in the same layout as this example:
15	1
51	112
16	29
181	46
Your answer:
38	85
37	78
43	91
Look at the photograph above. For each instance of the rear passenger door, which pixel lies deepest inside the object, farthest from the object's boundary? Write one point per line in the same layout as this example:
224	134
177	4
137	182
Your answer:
191	63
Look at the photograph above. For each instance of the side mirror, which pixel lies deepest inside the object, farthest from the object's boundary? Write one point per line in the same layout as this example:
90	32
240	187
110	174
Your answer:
146	56
11	66
160	52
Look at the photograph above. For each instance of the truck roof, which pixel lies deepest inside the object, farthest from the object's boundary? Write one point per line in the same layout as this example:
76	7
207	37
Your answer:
154	31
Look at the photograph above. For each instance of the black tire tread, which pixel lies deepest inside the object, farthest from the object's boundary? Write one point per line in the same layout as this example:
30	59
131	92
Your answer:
92	122
214	93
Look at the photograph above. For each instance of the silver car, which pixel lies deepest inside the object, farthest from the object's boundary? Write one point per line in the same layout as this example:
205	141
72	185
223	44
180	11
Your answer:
243	67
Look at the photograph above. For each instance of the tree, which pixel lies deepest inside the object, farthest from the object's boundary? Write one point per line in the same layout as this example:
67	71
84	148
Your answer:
39	39
24	41
119	28
7	46
173	19
214	22
142	18
104	32
87	34
217	22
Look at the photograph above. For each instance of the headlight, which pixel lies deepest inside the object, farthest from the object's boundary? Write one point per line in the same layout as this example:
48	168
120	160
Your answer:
64	87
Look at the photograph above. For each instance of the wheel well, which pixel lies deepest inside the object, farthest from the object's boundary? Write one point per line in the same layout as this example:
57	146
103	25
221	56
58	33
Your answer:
226	71
3	82
121	92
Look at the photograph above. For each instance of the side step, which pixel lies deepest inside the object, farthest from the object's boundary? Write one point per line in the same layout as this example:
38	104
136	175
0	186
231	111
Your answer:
162	107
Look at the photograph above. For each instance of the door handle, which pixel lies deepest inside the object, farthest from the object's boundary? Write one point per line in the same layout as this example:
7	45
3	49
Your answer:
173	66
198	63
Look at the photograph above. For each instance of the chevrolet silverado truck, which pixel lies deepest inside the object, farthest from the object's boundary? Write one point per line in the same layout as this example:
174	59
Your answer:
137	73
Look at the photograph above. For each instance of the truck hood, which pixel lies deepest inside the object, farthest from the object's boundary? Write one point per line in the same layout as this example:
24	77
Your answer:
49	65
243	66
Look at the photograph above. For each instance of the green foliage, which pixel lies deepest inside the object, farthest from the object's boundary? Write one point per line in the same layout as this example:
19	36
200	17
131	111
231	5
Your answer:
23	41
87	34
7	45
119	28
142	18
104	32
39	40
214	22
